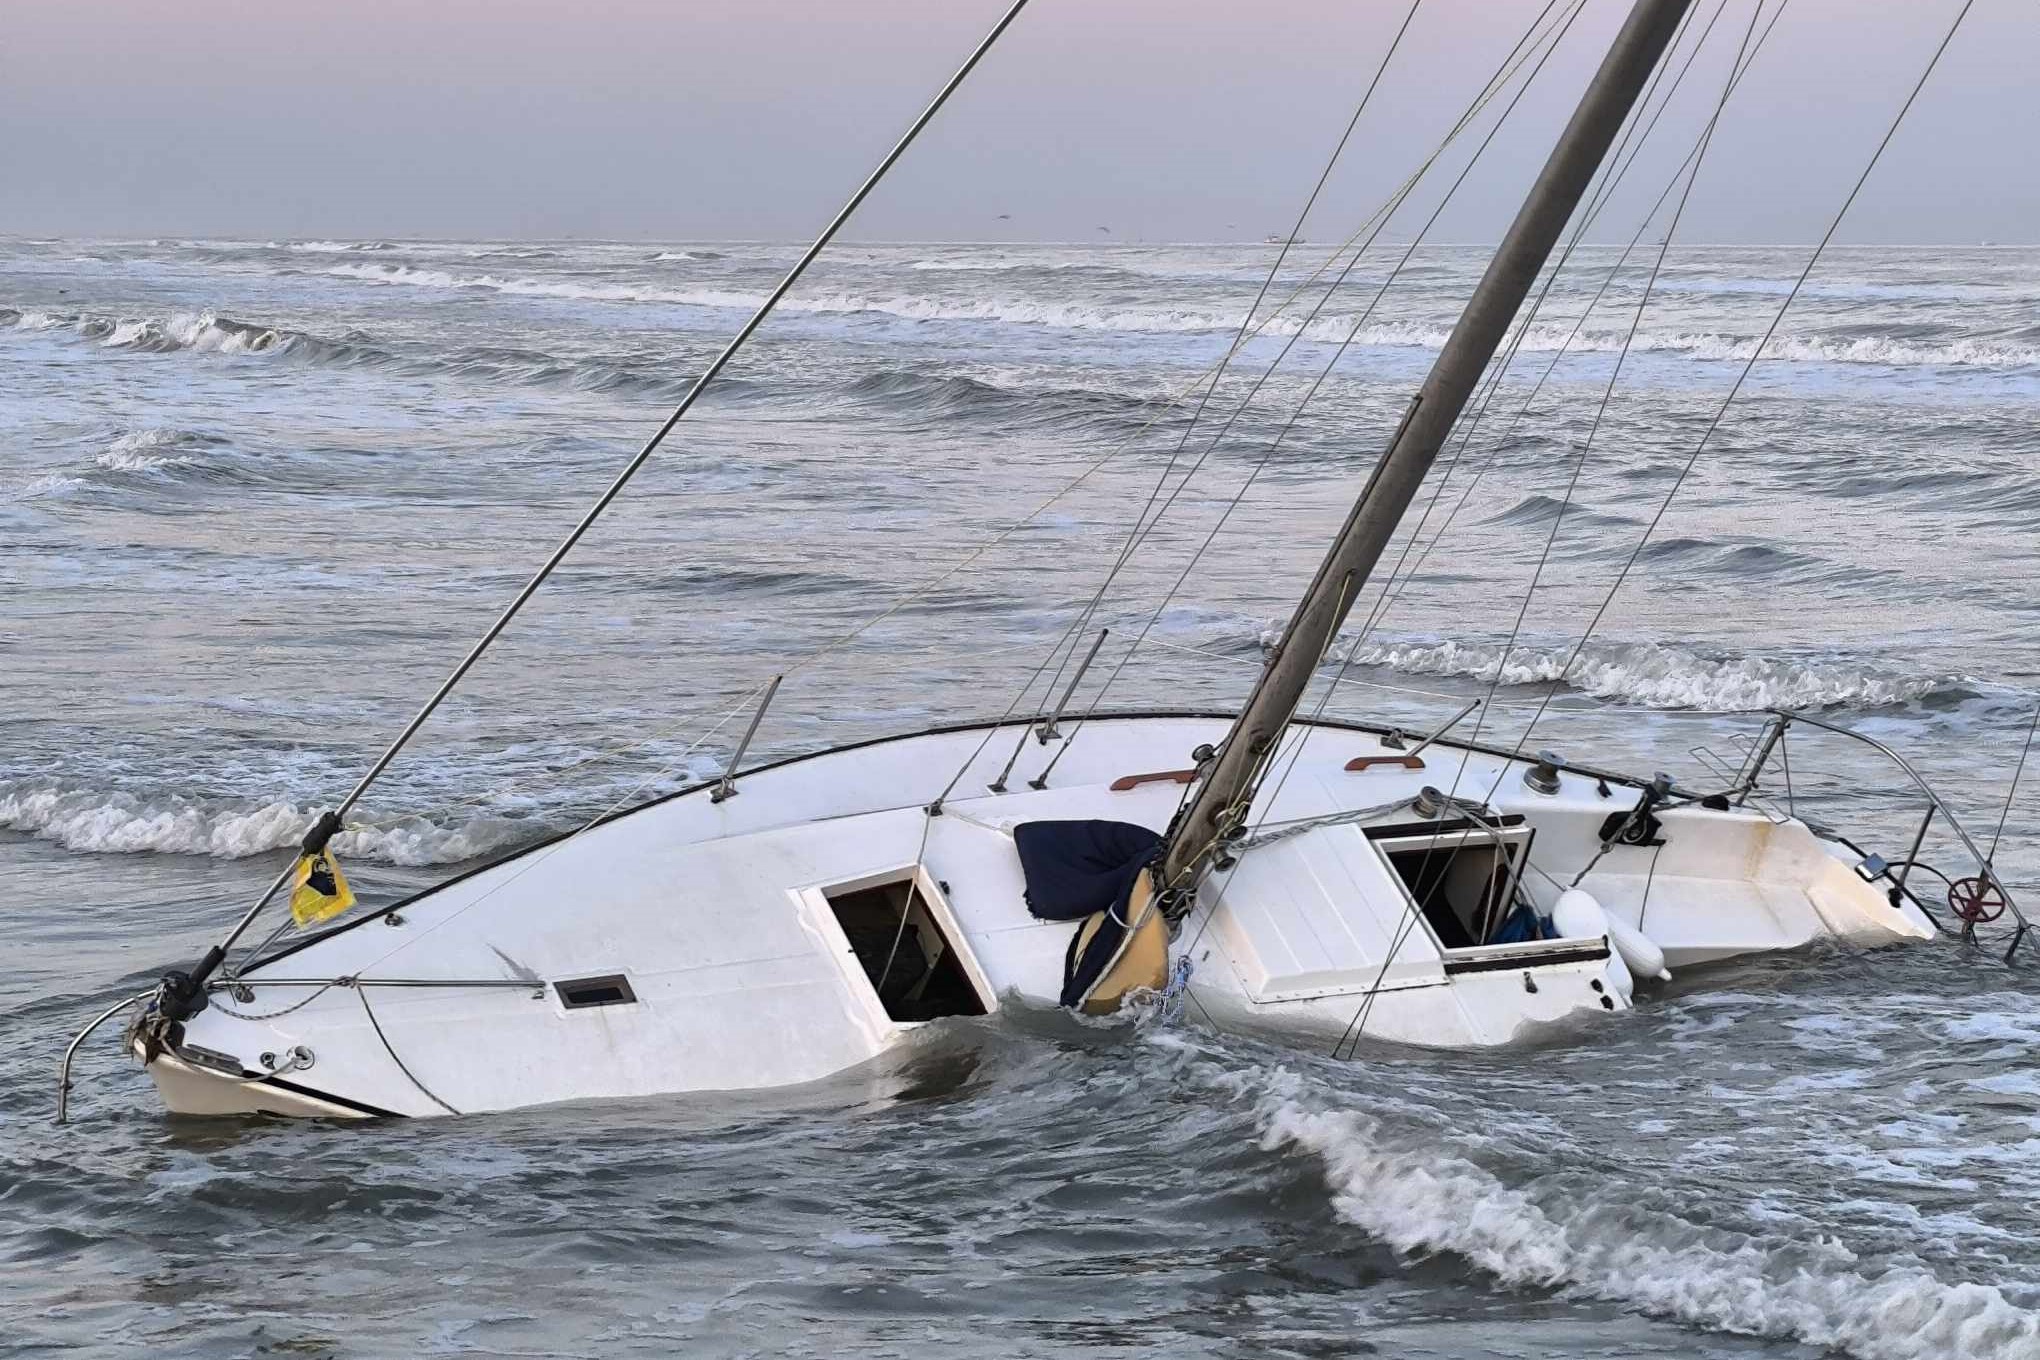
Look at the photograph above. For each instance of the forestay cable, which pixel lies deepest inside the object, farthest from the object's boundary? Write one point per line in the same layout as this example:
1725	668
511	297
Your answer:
1150	517
630	469
1218	376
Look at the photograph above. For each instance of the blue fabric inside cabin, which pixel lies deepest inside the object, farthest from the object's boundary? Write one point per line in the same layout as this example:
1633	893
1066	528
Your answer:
1522	926
1076	868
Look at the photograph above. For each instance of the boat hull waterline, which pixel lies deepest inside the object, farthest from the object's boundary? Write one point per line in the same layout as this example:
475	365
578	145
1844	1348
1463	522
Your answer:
758	941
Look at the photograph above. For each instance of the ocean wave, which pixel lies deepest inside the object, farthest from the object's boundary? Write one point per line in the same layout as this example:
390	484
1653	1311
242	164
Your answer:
106	822
42	486
1882	350
339	247
1658	676
1428	1203
904	391
155	450
676	256
975	266
204	331
956	395
1544	510
32	319
207	332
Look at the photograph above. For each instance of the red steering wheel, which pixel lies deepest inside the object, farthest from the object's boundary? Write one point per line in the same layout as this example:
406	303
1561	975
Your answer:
1976	901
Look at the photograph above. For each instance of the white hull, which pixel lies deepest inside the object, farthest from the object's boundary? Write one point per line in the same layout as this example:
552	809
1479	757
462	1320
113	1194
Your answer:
692	945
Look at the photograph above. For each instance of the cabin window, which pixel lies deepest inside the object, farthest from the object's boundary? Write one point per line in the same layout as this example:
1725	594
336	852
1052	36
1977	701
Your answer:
906	955
1464	884
581	993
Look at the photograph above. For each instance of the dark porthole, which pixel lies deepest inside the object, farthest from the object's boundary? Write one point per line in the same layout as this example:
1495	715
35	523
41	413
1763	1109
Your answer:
581	993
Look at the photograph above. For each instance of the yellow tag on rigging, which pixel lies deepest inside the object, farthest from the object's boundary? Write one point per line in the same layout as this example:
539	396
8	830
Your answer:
319	891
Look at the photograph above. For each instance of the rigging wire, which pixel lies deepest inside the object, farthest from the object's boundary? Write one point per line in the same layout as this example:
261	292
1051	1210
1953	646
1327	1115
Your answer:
1697	160
369	1011
1621	359
1555	37
1385	600
2013	792
1406	923
1397	584
1611	180
1749	365
1615	171
1495	83
1163	406
1288	243
637	461
1145	526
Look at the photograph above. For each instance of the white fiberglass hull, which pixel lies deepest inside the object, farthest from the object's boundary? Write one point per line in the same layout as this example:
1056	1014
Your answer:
695	945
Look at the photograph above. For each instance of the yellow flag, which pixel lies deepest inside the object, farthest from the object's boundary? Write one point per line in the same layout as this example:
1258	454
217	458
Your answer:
319	891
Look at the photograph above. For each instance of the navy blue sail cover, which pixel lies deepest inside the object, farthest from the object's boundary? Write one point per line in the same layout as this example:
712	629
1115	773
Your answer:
1075	868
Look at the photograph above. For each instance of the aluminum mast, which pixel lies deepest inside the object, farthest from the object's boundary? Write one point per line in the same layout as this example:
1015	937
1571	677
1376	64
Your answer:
1227	790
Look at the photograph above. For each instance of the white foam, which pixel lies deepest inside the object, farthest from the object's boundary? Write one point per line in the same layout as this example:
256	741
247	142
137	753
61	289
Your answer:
1327	328
1658	676
45	486
1881	350
202	331
142	451
973	266
1817	1293
1065	316
120	823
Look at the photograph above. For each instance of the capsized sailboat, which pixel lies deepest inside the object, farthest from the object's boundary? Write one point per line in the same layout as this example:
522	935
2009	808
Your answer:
1272	871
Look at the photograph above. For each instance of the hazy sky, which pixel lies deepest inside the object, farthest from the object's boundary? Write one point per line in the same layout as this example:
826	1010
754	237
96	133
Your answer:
1160	119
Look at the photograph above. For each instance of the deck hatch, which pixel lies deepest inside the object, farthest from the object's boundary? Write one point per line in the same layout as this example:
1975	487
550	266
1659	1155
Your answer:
612	989
905	944
1465	882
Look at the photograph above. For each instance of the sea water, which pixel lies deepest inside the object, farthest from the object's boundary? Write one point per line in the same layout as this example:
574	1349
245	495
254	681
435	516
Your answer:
256	497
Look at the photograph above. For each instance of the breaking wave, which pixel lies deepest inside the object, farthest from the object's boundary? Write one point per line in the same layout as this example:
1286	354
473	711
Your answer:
204	331
124	823
975	266
900	390
1659	676
42	486
1882	350
155	450
1428	1203
339	247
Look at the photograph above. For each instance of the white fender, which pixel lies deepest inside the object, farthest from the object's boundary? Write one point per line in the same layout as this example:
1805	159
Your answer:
1579	915
1639	951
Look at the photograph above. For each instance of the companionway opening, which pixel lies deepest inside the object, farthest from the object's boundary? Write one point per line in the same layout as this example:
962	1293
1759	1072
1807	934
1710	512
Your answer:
1465	884
906	953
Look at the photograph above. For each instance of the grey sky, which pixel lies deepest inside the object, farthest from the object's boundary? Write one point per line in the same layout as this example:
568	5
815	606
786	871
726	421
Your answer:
1188	120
